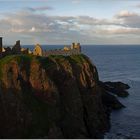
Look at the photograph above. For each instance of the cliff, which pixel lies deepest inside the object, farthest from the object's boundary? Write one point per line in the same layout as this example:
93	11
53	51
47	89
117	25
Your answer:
53	97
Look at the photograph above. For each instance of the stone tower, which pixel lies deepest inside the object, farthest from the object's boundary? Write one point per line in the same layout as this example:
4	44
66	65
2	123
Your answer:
0	46
16	48
38	50
76	46
79	47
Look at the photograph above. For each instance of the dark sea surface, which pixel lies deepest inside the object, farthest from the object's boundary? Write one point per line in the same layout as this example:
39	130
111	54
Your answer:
118	63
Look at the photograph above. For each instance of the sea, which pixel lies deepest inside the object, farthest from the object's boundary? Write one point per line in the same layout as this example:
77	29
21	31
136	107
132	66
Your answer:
117	63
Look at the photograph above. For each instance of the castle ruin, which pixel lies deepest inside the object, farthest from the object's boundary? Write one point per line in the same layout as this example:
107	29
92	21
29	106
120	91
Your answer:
16	48
74	49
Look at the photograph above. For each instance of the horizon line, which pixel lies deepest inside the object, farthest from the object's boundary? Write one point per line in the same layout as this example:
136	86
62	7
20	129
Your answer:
70	44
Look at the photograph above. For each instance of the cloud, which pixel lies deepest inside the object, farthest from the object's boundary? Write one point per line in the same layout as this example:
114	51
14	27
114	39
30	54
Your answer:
40	9
129	19
32	27
137	5
120	30
125	14
45	28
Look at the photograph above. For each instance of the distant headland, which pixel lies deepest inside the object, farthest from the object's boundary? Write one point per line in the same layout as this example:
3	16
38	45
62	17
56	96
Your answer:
74	49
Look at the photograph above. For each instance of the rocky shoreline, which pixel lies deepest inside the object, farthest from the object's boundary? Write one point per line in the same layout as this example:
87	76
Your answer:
55	97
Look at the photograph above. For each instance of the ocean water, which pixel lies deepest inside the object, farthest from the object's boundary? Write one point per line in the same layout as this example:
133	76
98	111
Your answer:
118	63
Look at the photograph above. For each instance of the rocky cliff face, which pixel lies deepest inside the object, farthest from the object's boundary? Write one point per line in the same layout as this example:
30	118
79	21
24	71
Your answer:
54	97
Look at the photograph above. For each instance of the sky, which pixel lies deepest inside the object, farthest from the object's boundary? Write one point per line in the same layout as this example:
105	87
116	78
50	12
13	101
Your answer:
67	21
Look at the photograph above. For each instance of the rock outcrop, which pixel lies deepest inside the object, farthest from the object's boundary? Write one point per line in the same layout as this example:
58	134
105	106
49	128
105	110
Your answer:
117	88
53	97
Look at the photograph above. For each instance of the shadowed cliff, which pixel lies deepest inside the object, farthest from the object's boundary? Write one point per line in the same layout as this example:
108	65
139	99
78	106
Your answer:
53	97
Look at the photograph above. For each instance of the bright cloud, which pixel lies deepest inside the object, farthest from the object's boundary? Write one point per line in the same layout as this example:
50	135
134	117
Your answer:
32	29
125	13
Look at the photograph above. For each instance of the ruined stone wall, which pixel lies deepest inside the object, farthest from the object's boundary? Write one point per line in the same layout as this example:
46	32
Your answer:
1	43
61	52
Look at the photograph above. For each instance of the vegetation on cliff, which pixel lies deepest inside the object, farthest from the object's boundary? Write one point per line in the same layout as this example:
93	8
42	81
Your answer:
53	97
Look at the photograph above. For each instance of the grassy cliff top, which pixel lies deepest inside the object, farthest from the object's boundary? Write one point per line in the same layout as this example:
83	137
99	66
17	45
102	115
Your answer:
46	62
20	58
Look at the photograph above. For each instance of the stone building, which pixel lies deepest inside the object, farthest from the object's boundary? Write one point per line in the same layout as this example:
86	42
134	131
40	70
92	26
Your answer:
8	51
38	50
66	48
25	51
74	49
0	46
16	48
76	46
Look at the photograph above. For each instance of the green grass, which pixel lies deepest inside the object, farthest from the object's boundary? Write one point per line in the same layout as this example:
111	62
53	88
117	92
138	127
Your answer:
46	62
25	59
73	58
77	58
18	58
4	61
57	56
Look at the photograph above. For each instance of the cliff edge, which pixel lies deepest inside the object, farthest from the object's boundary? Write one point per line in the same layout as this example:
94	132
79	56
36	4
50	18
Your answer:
53	97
